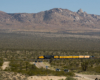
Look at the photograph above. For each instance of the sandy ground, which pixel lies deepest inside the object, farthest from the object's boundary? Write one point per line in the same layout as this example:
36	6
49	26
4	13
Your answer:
87	77
41	64
5	65
78	77
46	77
12	76
4	75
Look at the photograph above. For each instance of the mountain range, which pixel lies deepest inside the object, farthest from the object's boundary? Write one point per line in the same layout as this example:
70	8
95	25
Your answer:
53	20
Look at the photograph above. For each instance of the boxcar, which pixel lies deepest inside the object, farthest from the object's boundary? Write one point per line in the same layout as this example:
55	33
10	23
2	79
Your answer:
75	57
56	57
86	56
68	57
81	56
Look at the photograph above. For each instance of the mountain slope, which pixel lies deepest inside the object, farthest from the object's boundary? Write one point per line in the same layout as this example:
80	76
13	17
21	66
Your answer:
54	20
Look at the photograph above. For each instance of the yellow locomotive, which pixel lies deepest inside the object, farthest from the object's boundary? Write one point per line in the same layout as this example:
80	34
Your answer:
65	57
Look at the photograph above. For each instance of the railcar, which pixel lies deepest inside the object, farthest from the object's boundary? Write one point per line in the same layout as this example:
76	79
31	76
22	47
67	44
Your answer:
86	56
75	57
65	57
48	56
81	56
56	57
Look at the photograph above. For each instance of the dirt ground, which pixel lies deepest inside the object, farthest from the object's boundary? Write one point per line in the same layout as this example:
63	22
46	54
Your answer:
87	77
4	75
39	64
42	65
78	77
45	77
5	65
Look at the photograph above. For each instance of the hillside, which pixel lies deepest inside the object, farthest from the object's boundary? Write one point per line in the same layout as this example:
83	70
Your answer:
53	20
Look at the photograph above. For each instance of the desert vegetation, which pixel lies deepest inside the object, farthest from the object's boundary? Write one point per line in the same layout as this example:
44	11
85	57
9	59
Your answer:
48	41
19	61
24	37
1	61
25	68
70	78
21	49
4	75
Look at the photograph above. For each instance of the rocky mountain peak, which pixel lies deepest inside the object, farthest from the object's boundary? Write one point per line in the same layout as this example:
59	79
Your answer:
55	10
50	19
80	11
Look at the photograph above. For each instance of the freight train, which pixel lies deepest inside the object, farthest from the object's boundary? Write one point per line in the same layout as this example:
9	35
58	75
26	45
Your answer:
65	57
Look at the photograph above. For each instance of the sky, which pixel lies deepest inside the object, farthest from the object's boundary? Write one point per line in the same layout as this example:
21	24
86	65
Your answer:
35	6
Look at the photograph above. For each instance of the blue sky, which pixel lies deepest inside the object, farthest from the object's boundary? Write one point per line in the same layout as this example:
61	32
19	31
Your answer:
34	6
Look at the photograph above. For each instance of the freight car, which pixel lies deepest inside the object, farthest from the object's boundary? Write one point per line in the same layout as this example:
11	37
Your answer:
65	57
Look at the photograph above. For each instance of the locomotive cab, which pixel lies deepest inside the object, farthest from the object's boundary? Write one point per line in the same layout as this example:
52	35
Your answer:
40	57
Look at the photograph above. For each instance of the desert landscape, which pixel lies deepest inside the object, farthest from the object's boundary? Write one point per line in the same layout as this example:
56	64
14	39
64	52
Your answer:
50	44
11	76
